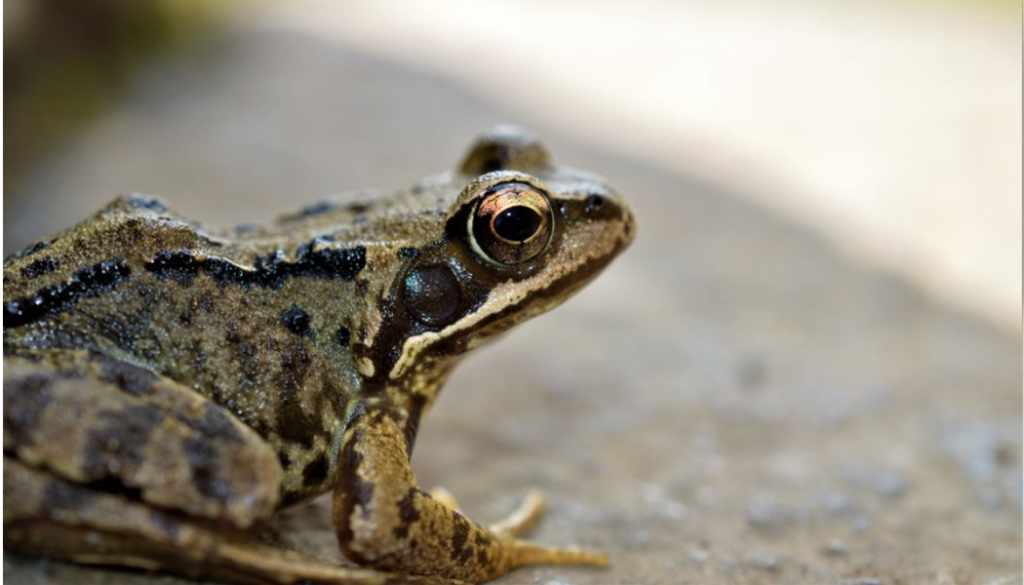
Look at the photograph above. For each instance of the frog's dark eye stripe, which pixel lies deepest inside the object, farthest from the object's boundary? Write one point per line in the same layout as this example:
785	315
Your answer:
511	224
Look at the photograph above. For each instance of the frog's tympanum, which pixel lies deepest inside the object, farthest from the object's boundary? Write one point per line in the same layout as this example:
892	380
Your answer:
167	387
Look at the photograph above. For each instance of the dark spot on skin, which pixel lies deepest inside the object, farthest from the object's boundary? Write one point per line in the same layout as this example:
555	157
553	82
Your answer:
116	445
39	267
52	300
417	402
460	532
360	206
215	424
59	496
127	377
114	485
295	320
315	472
269	271
343	337
25	399
312	210
284	460
202	460
246	355
294	424
364	495
407	513
408	253
150	203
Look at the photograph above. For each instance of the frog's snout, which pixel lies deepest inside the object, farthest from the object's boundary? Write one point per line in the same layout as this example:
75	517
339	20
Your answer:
611	207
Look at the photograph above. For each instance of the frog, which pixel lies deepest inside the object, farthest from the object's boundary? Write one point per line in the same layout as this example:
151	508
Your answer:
168	386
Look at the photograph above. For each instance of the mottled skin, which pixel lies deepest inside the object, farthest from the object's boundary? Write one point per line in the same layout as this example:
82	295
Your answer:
168	386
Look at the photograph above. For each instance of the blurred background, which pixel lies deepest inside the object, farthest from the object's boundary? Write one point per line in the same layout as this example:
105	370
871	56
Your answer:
810	361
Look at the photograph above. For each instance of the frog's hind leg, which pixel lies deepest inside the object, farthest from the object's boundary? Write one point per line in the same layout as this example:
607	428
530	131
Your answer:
47	516
108	463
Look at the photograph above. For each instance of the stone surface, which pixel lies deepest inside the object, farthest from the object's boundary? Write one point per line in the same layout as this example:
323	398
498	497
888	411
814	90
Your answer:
733	401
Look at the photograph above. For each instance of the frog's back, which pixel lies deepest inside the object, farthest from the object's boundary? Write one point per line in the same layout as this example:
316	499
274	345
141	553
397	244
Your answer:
262	329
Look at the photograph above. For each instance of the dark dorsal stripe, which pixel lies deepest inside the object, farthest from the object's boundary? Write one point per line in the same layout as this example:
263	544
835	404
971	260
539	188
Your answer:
270	271
52	300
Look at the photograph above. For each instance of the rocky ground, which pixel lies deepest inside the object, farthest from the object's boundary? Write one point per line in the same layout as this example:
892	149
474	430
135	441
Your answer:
734	401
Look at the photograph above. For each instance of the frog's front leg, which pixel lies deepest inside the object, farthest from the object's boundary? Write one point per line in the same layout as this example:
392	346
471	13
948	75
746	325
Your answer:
384	520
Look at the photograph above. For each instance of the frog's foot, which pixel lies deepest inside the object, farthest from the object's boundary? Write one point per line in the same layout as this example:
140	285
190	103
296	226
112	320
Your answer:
384	520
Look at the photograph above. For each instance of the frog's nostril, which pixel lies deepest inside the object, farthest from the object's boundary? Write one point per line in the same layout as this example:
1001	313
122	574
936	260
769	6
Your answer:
593	203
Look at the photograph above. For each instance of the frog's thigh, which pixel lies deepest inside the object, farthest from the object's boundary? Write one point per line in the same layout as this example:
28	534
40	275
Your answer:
92	420
384	520
46	515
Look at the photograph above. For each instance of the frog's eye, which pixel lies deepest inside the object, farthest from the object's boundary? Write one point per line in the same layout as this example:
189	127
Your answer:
512	224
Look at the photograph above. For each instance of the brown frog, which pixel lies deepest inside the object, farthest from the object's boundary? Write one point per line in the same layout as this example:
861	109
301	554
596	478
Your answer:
167	387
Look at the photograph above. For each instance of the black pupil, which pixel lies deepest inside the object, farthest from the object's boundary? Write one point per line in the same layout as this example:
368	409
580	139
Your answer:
517	223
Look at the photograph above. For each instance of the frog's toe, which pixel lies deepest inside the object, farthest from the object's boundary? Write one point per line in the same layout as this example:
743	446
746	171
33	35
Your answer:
524	518
527	553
